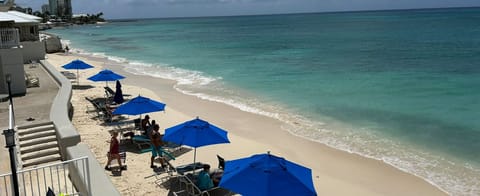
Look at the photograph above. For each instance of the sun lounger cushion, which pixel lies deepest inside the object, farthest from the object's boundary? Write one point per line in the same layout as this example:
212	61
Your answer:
141	138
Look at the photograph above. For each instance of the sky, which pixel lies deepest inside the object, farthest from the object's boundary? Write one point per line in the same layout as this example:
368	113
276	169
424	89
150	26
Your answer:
124	9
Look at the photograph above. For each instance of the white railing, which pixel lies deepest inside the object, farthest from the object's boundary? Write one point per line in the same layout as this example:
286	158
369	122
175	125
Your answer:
9	38
36	181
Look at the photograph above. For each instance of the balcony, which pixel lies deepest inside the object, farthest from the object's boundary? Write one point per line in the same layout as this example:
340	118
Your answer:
9	38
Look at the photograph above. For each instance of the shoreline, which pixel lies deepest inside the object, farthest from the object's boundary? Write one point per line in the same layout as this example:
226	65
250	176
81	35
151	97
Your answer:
334	171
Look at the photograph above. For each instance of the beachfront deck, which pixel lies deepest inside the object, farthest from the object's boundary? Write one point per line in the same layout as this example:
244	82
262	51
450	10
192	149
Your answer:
35	104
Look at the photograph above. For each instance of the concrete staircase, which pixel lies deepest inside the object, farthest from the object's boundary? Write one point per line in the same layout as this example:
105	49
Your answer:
38	144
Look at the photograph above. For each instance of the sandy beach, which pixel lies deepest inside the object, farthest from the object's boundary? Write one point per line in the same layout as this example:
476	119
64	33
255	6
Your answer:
334	172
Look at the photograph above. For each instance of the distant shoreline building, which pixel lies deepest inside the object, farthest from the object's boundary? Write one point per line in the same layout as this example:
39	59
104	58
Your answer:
53	6
45	8
60	8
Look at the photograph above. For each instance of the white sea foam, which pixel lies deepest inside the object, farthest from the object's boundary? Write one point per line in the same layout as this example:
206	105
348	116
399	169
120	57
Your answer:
450	176
235	103
65	42
182	76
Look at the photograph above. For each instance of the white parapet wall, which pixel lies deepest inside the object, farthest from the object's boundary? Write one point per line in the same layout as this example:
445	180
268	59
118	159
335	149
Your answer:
11	62
33	51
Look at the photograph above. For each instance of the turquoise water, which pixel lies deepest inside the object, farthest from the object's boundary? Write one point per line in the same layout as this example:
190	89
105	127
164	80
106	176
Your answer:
399	86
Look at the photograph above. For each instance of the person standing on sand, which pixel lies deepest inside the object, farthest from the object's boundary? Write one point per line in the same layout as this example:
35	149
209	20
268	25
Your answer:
66	49
114	152
156	145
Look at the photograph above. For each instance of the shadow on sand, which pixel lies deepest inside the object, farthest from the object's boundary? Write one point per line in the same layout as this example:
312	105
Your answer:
81	87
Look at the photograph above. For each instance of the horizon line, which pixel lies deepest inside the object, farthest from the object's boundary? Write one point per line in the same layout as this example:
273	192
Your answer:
293	13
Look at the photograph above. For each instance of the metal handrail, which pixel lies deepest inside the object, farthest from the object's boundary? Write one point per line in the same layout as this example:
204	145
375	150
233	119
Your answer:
36	181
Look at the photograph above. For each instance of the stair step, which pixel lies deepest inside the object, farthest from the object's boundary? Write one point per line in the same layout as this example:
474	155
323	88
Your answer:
38	141
29	149
34	130
34	125
38	135
40	153
42	160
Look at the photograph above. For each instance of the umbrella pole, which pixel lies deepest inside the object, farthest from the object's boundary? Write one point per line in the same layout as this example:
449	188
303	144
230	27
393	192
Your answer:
78	79
194	157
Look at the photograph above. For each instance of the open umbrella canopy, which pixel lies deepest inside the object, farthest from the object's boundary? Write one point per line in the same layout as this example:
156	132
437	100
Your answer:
77	64
139	105
266	174
118	98
196	133
105	75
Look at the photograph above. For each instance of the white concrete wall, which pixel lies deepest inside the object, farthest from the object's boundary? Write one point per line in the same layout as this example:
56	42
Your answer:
33	51
53	44
11	62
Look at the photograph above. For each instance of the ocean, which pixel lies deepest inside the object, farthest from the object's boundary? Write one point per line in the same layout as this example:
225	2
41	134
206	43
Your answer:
398	86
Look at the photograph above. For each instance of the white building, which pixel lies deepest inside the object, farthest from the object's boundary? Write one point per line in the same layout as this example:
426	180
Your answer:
19	43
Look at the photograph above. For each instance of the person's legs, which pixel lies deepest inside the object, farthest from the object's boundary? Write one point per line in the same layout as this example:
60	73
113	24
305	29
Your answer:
122	167
151	162
109	159
154	154
117	156
160	154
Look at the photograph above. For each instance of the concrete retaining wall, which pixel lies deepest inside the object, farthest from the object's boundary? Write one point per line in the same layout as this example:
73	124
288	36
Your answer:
69	139
66	133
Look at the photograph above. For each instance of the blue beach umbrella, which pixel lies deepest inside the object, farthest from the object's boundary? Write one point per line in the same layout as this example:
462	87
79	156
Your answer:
118	98
266	174
196	133
77	64
105	75
139	105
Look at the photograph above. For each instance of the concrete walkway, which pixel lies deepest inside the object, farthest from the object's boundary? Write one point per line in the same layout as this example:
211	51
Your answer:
35	104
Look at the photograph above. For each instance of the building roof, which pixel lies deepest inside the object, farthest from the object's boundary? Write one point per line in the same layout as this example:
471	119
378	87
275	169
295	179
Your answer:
19	17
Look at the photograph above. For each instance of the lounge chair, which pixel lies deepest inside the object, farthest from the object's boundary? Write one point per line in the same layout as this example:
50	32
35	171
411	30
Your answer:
109	91
221	162
69	75
162	180
98	109
137	123
141	141
192	189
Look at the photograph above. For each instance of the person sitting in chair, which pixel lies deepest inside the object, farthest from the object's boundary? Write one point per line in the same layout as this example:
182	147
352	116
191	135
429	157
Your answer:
145	124
204	181
150	128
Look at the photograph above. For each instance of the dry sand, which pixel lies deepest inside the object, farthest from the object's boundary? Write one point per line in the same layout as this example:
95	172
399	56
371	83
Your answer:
334	172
